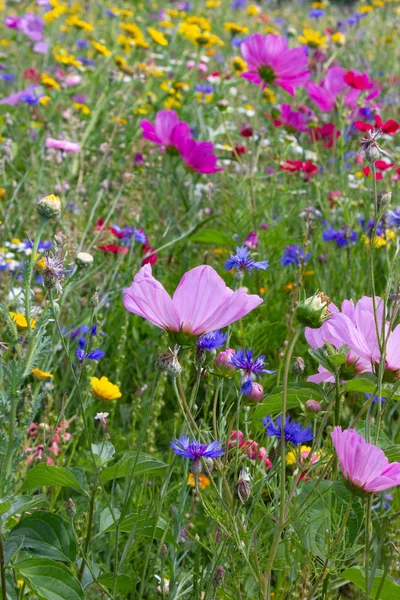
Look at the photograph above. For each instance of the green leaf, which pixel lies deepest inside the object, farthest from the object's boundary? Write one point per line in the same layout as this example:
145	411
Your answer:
390	589
143	524
393	452
49	580
45	534
106	518
44	474
23	503
145	465
212	236
383	441
124	582
103	452
297	393
367	383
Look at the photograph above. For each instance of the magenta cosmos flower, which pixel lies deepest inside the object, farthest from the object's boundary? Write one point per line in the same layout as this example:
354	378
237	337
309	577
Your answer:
337	82
32	26
167	130
364	465
270	61
201	302
198	155
63	145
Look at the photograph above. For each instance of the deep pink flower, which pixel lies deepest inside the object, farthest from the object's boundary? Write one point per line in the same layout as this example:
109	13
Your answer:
201	302
307	167
12	22
327	134
63	145
167	130
292	120
198	155
357	80
325	94
364	465
271	62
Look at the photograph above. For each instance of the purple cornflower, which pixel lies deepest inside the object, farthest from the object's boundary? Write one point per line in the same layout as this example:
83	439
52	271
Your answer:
342	237
243	261
376	398
211	341
195	451
393	218
294	432
316	13
32	26
294	255
251	368
94	355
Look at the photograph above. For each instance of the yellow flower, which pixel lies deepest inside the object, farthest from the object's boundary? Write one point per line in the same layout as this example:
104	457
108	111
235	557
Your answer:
157	37
41	374
253	10
203	481
318	4
2	193
269	96
288	287
74	21
313	39
44	100
119	120
293	457
61	55
213	3
20	320
136	37
85	110
233	28
239	65
103	389
101	48
58	10
338	38
49	81
365	9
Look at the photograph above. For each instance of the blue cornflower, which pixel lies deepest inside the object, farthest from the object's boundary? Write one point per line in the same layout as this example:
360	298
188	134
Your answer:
187	448
342	237
376	398
316	13
294	255
86	61
250	367
238	4
243	261
7	76
30	99
294	432
94	355
393	218
211	341
83	329
236	42
82	43
204	88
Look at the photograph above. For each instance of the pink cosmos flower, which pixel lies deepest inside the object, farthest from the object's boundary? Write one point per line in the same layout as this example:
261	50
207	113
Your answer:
270	61
336	82
16	97
201	302
364	465
198	155
292	120
32	26
63	145
167	130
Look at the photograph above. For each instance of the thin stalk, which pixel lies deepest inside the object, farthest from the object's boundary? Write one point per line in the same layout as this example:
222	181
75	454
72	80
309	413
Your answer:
2	570
88	532
28	281
8	461
367	545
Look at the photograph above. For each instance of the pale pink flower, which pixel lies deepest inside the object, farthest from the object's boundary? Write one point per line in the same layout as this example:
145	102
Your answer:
201	303
63	145
271	62
364	465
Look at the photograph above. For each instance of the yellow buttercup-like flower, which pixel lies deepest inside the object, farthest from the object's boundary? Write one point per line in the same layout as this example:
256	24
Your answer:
157	37
313	39
338	38
103	389
41	374
239	65
74	21
101	48
234	29
49	81
21	321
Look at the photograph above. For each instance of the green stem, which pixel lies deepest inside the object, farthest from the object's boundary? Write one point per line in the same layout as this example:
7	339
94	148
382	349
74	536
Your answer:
28	281
282	505
88	532
337	397
8	461
2	570
367	544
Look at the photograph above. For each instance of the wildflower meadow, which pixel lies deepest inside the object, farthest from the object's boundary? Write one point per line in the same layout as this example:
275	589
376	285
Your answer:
199	300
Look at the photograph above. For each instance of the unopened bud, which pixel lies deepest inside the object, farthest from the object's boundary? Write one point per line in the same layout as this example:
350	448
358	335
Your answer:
256	394
313	406
196	466
218	577
223	360
70	508
209	464
49	206
164	551
372	154
384	199
83	260
94	300
313	311
222	105
298	366
242	487
169	362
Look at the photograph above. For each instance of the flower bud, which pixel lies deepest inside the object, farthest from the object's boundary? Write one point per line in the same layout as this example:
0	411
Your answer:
222	105
372	153
313	311
169	362
94	300
49	206
313	406
209	464
196	466
218	577
83	260
70	508
242	487
224	358
251	242
298	366
257	393
164	551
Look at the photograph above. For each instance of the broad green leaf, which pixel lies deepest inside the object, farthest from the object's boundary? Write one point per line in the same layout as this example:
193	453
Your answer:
103	452
145	465
44	474
49	580
390	589
297	393
393	452
367	383
212	236
124	582
21	504
106	518
383	441
144	525
45	534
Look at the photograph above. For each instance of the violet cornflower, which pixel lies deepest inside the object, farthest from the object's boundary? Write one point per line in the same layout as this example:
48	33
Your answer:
94	355
211	341
195	451
243	261
250	367
294	432
294	255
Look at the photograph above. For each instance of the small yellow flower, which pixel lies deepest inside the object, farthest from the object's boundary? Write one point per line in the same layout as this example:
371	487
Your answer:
239	65
49	81
338	38
293	457
41	374
101	48
269	96
253	10
103	389
20	320
2	193
119	120
288	287
61	55
213	3
44	100
85	110
234	29
365	9
157	37
74	21
313	39
203	481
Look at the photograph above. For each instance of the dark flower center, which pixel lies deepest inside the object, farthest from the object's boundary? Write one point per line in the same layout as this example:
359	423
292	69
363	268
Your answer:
267	74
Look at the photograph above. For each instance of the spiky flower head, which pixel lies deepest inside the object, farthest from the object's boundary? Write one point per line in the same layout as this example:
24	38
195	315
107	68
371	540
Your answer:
49	206
313	311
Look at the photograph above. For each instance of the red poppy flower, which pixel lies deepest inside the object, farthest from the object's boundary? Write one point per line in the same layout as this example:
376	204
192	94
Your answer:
246	131
327	134
307	167
358	81
389	126
114	249
150	255
379	164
